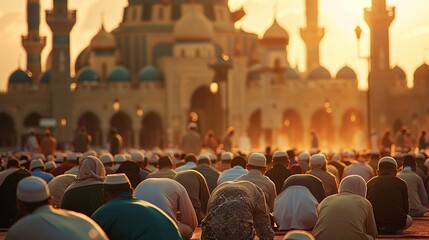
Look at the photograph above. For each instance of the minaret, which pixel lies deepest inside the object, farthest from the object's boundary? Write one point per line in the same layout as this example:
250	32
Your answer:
33	43
61	21
379	17
312	34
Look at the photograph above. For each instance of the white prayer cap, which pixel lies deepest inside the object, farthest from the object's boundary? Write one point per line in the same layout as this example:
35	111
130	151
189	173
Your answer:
420	156
317	160
89	153
154	158
127	157
397	155
226	156
32	189
38	156
212	157
192	125
389	160
313	151
137	156
257	160
72	156
50	158
50	165
119	158
304	156
106	158
118	178
203	157
298	235
35	163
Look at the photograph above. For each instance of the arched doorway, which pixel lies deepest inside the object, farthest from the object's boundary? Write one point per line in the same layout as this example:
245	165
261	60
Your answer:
322	125
291	132
92	124
151	134
352	132
207	106
122	122
8	136
254	131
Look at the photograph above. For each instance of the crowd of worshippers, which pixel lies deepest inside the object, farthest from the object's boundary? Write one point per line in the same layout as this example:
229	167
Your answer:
157	194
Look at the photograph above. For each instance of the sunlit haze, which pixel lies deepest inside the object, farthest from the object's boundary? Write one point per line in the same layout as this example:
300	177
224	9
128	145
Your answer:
409	31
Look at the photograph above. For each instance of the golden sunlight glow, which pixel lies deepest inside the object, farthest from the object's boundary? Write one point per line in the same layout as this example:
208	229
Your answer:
63	122
139	111
116	105
329	110
73	86
214	87
193	116
286	123
353	117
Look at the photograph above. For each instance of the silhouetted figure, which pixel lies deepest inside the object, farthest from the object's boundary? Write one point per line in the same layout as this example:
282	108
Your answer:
32	144
210	141
386	141
191	141
82	141
115	142
227	141
401	142
422	141
314	140
48	144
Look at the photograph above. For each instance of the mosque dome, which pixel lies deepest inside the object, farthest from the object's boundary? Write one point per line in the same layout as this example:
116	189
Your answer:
149	73
119	74
346	73
276	32
319	73
292	74
103	40
82	60
46	77
422	72
399	73
19	76
87	75
193	25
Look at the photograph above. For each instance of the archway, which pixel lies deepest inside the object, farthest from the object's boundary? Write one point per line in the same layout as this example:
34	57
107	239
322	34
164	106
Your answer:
322	125
291	132
8	136
254	131
208	111
92	124
122	122
32	120
352	132
152	133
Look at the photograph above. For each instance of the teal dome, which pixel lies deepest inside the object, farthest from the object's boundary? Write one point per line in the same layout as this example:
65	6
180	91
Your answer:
319	73
149	73
346	73
46	77
292	74
119	74
88	74
20	76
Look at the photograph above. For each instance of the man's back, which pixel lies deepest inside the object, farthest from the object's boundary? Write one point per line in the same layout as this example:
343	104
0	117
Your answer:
126	217
81	142
210	174
278	174
48	145
191	142
49	223
417	196
389	198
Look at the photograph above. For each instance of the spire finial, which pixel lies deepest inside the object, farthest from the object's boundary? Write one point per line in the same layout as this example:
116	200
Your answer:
102	19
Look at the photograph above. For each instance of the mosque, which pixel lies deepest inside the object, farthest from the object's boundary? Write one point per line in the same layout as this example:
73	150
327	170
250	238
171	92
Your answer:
170	62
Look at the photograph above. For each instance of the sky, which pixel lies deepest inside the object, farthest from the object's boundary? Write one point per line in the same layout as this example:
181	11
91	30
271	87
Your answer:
409	31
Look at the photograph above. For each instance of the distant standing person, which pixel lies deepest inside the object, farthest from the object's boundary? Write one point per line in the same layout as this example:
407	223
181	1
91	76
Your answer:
314	140
422	141
227	141
32	144
82	141
49	143
191	141
210	141
400	144
115	142
386	141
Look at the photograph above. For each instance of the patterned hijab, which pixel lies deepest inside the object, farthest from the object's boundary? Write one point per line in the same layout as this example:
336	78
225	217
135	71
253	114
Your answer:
91	172
353	184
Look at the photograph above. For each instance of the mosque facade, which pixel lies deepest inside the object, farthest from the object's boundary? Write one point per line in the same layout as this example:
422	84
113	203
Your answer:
153	74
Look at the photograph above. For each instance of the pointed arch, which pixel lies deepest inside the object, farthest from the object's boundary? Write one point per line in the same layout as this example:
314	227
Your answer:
322	125
92	124
122	122
291	131
254	131
152	134
8	136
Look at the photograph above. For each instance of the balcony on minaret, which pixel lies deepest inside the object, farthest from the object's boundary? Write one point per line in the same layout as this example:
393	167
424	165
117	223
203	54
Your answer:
60	23
33	40
377	16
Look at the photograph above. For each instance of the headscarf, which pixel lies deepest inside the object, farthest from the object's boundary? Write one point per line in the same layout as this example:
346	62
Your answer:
91	172
353	184
132	170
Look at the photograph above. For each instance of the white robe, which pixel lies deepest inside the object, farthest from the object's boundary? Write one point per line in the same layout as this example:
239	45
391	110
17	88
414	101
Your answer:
295	208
